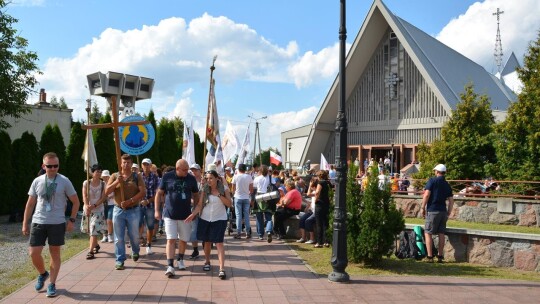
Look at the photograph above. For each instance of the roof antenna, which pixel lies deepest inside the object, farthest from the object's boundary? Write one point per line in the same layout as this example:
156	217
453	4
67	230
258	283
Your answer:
498	44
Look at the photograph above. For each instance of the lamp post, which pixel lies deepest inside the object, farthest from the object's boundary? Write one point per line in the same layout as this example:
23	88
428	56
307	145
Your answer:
289	155
339	243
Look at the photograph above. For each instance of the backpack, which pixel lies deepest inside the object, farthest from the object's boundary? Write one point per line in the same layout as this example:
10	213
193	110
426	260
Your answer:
408	248
271	204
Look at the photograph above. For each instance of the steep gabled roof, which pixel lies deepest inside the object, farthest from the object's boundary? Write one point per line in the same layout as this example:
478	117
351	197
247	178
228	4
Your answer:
445	70
511	65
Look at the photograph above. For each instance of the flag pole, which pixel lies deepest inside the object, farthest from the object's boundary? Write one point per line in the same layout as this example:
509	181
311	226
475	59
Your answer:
88	104
212	68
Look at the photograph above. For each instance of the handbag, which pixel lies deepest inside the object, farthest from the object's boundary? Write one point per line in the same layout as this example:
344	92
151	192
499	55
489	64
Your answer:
84	223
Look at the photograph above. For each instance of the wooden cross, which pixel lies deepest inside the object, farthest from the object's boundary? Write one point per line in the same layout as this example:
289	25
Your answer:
114	125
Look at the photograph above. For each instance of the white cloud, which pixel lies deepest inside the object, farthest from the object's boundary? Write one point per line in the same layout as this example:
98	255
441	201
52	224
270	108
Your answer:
27	2
473	33
177	54
314	66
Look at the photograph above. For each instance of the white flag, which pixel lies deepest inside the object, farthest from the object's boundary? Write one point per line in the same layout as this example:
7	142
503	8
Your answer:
229	143
324	164
188	145
89	152
244	149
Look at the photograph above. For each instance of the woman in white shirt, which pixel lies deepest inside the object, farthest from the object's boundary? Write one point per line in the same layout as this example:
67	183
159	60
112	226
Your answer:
213	218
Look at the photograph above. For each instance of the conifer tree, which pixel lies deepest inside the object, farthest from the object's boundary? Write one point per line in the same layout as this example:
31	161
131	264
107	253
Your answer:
354	209
168	147
518	137
380	221
466	144
52	141
104	144
6	173
74	164
153	153
26	164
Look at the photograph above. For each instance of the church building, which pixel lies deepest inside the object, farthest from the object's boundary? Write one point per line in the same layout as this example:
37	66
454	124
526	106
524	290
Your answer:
402	85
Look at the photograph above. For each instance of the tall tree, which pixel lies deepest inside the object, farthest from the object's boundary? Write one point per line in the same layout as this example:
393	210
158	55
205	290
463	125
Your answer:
466	143
104	144
6	173
52	141
199	148
18	69
153	153
95	114
168	148
74	164
518	137
26	164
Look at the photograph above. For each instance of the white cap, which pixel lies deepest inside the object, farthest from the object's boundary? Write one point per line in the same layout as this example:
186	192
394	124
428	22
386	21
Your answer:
440	168
146	161
134	166
105	173
211	167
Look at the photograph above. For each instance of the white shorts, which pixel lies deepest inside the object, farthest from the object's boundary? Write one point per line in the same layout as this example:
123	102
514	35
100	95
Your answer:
177	229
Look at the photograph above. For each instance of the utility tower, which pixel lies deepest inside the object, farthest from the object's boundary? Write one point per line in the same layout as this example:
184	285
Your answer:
498	44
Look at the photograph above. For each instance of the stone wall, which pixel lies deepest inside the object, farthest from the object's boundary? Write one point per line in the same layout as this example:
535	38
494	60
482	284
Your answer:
499	249
481	210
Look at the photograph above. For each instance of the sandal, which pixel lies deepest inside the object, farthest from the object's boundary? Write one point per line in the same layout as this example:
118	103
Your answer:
96	249
206	267
90	255
326	245
222	275
317	246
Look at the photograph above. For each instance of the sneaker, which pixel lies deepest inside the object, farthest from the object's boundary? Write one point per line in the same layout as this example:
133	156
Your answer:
41	280
310	242
149	250
194	254
260	238
301	240
135	257
269	237
51	290
170	272
111	238
180	264
119	266
237	236
279	237
105	239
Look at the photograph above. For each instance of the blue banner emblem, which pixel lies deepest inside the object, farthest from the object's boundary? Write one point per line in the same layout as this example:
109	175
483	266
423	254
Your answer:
136	139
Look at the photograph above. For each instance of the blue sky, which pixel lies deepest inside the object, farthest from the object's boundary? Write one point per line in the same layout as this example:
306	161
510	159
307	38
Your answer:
276	58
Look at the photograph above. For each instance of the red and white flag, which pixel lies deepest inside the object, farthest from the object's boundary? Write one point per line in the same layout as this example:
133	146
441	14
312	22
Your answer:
275	158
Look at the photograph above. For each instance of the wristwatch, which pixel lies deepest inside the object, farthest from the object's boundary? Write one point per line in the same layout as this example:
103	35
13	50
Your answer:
72	220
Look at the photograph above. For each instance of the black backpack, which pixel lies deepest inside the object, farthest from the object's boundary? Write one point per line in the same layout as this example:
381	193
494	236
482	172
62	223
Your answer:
407	246
270	188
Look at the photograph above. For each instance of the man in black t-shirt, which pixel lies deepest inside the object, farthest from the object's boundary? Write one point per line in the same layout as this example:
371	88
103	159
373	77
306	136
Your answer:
179	188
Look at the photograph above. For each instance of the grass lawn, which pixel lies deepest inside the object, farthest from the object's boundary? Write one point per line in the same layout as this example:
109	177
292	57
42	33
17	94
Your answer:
15	279
319	260
480	226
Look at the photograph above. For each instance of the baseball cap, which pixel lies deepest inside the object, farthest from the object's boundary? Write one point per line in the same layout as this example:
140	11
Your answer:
105	173
228	169
135	166
211	167
195	167
440	168
146	161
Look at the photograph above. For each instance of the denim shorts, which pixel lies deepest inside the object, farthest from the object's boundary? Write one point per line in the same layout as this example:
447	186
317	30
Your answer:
109	212
211	231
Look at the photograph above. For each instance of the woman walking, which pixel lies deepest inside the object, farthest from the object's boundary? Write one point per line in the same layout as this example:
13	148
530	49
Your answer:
94	210
213	218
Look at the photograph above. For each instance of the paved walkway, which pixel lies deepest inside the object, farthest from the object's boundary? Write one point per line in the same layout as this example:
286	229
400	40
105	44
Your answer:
257	272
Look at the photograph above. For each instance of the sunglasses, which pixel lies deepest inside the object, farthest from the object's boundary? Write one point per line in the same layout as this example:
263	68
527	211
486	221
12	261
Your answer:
51	166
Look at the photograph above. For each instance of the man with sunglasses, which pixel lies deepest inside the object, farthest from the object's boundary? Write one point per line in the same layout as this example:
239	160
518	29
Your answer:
47	195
